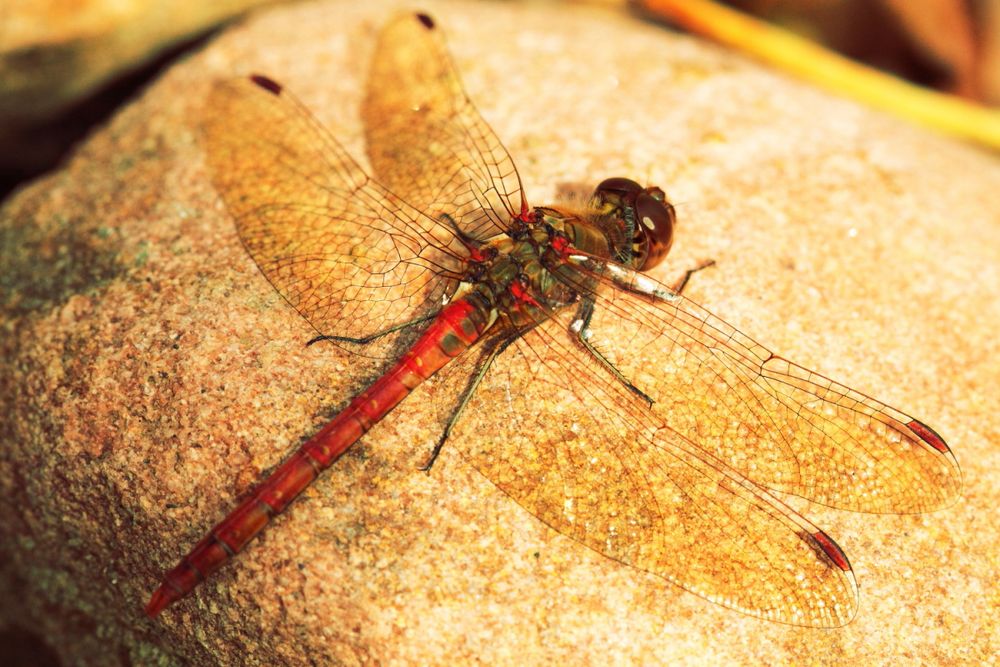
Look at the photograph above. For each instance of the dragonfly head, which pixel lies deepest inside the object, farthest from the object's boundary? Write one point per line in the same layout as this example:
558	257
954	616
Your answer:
648	219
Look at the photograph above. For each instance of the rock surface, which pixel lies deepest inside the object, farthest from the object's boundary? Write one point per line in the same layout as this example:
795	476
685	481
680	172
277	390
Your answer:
150	374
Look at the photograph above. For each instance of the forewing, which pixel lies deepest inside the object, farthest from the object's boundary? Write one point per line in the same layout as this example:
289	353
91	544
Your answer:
346	254
426	141
783	426
569	443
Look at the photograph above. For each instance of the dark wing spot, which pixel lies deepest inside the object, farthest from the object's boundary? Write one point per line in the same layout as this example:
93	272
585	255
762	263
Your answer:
426	20
831	549
929	435
267	84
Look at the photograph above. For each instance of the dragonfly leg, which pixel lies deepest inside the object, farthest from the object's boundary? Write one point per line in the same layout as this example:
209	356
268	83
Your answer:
375	336
489	356
467	239
581	327
679	286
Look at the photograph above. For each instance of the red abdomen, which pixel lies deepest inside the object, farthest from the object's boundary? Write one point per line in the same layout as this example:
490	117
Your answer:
457	326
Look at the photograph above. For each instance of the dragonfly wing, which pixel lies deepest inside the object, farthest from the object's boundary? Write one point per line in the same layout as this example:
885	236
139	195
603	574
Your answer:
426	141
569	443
781	425
347	255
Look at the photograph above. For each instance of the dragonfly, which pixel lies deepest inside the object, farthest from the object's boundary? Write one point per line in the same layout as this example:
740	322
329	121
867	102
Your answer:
603	402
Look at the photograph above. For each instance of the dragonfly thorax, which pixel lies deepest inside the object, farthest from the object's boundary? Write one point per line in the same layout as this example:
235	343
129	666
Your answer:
511	277
522	273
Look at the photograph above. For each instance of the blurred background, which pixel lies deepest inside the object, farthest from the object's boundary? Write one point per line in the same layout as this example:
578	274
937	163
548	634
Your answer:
948	45
67	65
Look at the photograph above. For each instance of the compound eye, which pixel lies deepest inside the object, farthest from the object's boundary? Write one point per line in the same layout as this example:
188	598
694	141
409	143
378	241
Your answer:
654	228
623	189
656	193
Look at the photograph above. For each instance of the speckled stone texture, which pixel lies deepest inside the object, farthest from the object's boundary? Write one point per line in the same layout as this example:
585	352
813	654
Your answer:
150	374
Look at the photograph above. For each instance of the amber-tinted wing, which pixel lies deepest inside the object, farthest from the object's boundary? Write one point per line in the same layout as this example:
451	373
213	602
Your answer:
427	143
569	443
783	426
677	489
349	256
